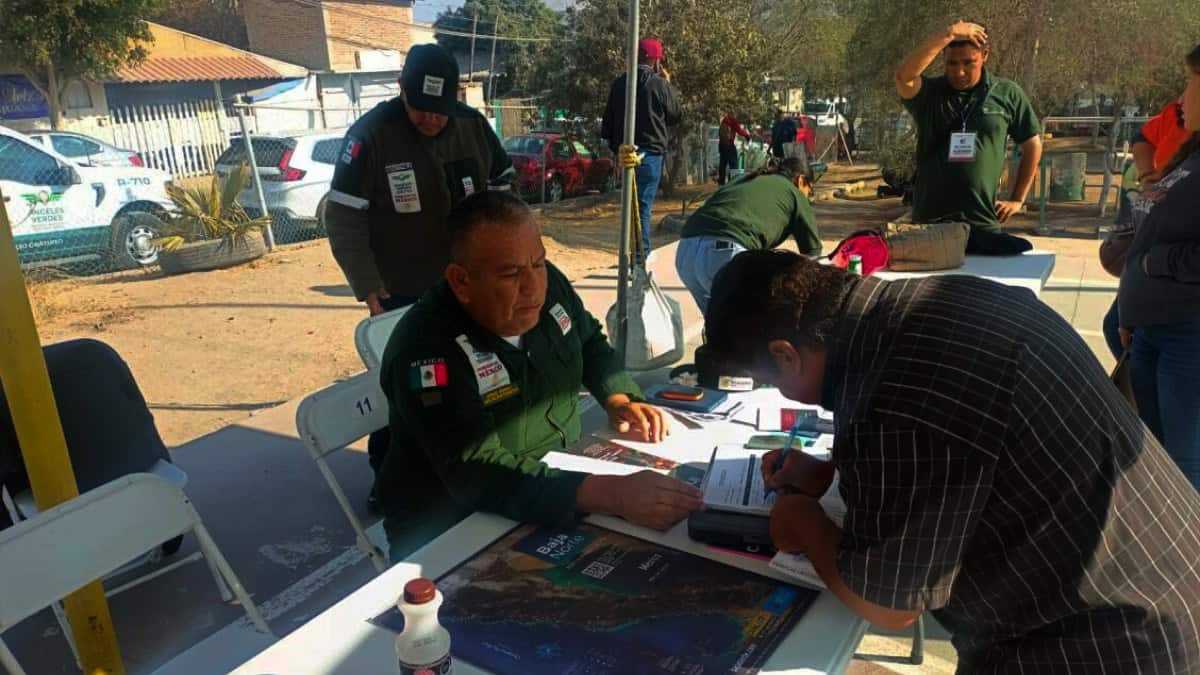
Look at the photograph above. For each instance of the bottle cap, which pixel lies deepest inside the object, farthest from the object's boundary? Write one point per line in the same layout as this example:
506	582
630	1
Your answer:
419	591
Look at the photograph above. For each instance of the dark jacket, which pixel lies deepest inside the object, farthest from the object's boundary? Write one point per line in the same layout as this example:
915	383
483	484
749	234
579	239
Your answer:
657	109
1168	237
783	131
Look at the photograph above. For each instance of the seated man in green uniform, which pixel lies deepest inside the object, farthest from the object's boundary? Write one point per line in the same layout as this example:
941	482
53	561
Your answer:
759	211
963	120
483	377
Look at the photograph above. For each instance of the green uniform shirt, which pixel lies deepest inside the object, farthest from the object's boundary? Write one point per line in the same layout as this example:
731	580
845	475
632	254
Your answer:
477	415
995	109
758	212
392	190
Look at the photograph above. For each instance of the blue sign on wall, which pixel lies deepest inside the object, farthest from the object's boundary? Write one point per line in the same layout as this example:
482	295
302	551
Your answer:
20	100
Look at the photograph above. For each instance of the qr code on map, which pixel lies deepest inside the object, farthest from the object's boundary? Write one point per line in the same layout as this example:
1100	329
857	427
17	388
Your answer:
597	570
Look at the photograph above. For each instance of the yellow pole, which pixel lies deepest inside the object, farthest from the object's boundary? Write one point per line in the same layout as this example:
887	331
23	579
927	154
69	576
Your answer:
39	431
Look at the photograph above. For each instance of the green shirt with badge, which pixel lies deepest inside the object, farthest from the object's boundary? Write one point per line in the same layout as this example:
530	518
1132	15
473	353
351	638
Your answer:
758	212
475	414
393	188
961	139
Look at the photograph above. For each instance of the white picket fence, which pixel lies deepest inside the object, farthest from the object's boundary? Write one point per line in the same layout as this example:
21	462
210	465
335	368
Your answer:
184	139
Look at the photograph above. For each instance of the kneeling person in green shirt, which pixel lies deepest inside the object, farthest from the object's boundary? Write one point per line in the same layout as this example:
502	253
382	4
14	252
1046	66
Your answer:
759	211
483	377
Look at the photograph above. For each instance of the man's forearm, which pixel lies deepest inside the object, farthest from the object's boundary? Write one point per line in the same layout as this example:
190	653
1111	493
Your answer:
350	240
823	555
919	58
595	495
1031	154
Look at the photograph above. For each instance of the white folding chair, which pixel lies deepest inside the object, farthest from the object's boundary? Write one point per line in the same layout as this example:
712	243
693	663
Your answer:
331	419
56	552
371	336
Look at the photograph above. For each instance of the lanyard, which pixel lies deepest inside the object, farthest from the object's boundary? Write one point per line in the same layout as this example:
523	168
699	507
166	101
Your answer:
967	108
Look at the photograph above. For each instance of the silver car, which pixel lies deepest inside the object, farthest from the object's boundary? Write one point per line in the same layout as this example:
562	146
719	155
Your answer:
87	151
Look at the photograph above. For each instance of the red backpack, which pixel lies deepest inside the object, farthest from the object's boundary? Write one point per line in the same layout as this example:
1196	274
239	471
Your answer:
869	244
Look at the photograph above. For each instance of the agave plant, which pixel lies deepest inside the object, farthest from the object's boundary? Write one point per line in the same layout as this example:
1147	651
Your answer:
208	214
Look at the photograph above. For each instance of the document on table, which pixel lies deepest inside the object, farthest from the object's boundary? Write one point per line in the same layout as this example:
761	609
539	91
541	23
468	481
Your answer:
734	481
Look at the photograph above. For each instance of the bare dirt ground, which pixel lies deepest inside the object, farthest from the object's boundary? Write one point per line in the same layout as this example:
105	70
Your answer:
210	348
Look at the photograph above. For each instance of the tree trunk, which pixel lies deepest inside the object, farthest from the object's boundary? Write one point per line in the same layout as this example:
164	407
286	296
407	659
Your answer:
53	96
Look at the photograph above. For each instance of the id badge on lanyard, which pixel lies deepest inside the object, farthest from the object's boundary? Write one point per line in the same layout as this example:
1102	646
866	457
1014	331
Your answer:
962	144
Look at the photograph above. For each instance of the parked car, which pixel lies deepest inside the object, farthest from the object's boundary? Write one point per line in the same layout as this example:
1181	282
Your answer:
296	170
560	165
87	151
65	213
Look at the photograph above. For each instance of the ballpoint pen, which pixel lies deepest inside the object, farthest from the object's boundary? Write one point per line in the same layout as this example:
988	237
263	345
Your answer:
787	447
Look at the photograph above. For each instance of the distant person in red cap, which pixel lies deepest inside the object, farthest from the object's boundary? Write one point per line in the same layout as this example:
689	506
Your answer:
657	109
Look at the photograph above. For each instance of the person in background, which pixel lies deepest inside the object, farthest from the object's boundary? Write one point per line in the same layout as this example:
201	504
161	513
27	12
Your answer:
727	153
991	472
758	211
783	131
485	372
658	111
1153	147
963	121
1159	295
402	166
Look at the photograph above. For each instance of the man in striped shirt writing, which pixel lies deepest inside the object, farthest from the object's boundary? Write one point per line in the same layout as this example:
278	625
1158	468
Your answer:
991	472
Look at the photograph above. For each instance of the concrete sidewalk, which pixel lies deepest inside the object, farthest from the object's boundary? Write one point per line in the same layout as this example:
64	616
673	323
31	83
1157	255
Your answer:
273	517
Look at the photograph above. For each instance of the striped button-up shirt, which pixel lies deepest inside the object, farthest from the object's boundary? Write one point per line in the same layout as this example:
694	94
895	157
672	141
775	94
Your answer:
994	475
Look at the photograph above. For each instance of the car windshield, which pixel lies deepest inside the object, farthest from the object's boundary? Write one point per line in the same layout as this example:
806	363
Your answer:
818	108
524	145
267	151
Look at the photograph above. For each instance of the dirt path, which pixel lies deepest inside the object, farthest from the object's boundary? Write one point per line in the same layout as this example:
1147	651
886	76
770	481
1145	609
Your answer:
211	348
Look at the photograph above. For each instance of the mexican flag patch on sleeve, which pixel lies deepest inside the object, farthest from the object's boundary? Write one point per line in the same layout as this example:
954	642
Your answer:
428	374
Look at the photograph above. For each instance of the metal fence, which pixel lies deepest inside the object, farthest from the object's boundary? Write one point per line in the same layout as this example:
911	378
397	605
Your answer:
183	139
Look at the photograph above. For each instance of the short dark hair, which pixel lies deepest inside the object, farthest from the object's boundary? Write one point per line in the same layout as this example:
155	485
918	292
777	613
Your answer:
489	207
788	167
968	43
766	295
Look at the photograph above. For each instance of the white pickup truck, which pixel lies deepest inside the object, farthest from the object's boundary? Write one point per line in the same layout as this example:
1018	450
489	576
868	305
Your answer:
62	213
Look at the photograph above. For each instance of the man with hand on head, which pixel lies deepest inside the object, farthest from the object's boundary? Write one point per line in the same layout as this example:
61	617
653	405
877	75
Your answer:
963	119
485	372
402	166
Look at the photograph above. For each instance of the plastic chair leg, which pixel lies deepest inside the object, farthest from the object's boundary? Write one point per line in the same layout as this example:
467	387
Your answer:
9	661
917	656
211	552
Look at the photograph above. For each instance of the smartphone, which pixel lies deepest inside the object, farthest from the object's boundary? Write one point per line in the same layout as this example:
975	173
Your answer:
679	393
776	441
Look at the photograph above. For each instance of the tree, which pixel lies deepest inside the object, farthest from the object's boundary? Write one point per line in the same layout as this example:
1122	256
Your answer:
219	20
56	42
507	18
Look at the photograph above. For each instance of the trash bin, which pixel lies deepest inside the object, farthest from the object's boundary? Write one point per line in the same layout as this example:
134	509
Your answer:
1067	175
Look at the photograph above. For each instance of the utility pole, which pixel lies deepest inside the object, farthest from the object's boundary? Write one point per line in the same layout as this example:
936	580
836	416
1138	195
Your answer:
492	68
474	23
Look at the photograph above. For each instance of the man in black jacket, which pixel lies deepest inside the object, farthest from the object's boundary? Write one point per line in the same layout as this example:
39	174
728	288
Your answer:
657	109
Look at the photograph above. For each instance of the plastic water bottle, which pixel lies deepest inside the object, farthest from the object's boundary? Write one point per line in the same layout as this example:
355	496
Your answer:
423	648
855	266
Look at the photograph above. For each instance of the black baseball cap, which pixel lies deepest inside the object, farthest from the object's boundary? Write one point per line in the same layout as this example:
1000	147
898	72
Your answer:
430	79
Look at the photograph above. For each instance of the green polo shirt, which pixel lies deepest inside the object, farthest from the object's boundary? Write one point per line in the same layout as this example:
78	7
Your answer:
995	109
472	415
758	212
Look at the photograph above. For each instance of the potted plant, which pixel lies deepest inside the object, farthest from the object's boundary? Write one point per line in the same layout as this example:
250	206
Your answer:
208	229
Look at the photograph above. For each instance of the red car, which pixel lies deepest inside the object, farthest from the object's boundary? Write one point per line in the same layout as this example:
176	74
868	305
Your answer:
558	164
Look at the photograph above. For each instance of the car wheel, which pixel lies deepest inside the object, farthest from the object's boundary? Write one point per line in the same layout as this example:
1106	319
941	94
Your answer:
555	191
132	234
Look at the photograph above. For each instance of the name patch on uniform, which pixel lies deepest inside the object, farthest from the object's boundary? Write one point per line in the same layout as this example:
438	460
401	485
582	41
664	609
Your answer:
433	85
428	374
490	373
402	181
560	315
505	392
351	149
468	186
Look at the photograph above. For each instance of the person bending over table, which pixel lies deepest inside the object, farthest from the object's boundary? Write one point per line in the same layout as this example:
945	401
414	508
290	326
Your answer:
963	119
991	472
483	374
760	210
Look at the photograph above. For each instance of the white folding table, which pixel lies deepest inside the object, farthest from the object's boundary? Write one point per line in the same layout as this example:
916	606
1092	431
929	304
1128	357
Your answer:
340	640
1030	270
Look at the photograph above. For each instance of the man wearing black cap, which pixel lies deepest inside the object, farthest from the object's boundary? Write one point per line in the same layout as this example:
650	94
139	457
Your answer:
402	167
657	110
